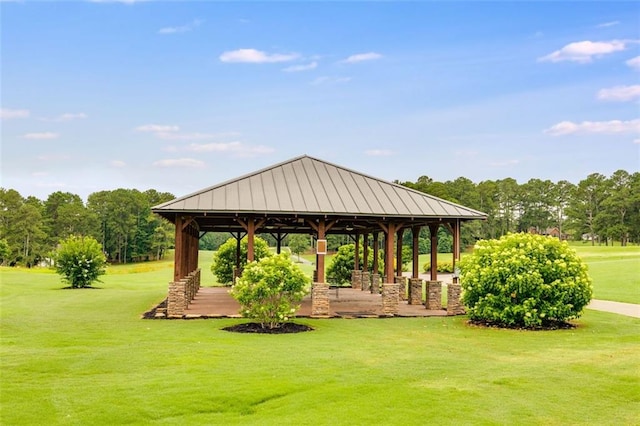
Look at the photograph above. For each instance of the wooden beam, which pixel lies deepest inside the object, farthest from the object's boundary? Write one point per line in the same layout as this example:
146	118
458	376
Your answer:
356	259
399	234
320	257
456	248
415	273
433	229
365	252
250	238
388	253
179	252
376	255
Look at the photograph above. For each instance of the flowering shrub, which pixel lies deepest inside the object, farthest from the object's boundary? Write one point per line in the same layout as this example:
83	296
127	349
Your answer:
524	280
270	290
80	261
224	260
444	266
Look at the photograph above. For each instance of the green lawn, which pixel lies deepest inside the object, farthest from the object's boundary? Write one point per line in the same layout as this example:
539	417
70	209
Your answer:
85	357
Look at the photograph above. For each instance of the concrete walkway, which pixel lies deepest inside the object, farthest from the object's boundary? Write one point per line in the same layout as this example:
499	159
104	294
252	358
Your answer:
628	309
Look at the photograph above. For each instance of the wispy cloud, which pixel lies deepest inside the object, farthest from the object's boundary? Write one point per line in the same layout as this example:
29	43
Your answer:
634	63
53	157
598	127
620	93
189	163
8	114
585	51
117	164
236	148
378	152
157	128
189	136
253	56
330	80
361	57
41	135
182	28
504	163
67	116
298	68
608	24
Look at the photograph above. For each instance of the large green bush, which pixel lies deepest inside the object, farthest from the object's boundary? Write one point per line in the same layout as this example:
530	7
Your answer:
270	290
343	263
524	280
444	266
224	260
80	261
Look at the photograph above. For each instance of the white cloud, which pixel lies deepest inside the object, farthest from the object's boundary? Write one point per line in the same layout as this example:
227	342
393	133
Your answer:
607	24
180	162
254	56
378	152
118	164
41	135
67	116
182	28
53	157
637	141
360	57
186	136
330	80
236	148
157	128
598	127
585	51
504	163
298	68
634	63
7	114
620	93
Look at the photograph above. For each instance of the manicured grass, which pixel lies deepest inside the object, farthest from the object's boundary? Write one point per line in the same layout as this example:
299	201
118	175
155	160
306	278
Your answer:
85	357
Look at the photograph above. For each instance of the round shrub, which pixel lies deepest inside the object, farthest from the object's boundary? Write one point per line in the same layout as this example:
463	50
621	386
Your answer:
524	280
80	261
224	260
270	290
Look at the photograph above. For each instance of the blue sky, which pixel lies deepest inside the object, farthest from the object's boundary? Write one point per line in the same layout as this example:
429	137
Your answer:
178	96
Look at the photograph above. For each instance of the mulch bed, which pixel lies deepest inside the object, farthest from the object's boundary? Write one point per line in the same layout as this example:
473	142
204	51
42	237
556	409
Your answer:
254	327
550	325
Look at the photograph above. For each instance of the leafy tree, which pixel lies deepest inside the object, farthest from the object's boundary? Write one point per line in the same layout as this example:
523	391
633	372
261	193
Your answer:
524	280
4	251
298	243
270	290
80	261
213	240
585	205
613	218
224	260
343	263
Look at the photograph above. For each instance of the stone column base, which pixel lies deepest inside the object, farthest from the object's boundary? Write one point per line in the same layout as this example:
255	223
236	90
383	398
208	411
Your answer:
402	289
390	299
454	305
320	300
434	295
375	283
366	281
415	291
356	279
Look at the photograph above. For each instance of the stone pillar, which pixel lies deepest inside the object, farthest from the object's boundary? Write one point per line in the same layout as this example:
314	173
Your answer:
236	274
415	291
356	279
177	300
320	300
402	287
454	305
390	299
366	281
434	295
375	283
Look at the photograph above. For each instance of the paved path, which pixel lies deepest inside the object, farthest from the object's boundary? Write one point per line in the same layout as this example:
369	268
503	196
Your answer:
629	309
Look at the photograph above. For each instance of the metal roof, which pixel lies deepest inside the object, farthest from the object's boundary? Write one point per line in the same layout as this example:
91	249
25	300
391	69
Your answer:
309	186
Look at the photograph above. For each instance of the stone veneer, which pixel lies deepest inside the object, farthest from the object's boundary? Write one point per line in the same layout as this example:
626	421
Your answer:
320	300
390	299
366	281
402	289
375	283
434	295
415	291
181	293
454	305
356	279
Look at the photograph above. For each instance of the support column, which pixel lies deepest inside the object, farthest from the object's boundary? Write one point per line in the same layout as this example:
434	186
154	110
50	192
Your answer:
375	283
356	263
434	295
320	300
399	234
454	306
415	246
251	229
365	252
236	272
456	248
179	251
390	299
433	229
320	257
388	252
376	253
415	291
366	280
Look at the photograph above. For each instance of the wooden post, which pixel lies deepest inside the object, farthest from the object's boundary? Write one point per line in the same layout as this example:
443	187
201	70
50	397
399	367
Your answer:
433	229
251	229
365	252
456	247
320	257
376	249
278	243
179	250
399	234
238	239
415	251
357	254
388	253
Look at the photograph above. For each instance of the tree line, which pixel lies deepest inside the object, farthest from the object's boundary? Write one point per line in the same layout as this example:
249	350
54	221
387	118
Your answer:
598	209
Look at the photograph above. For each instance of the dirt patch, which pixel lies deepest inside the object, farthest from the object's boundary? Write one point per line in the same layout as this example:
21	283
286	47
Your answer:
549	325
254	327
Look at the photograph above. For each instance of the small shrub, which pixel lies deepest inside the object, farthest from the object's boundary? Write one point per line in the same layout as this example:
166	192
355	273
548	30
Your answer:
80	261
343	263
270	290
444	266
524	280
224	260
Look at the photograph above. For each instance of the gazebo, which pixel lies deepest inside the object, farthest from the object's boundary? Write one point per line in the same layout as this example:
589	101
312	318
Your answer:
311	196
